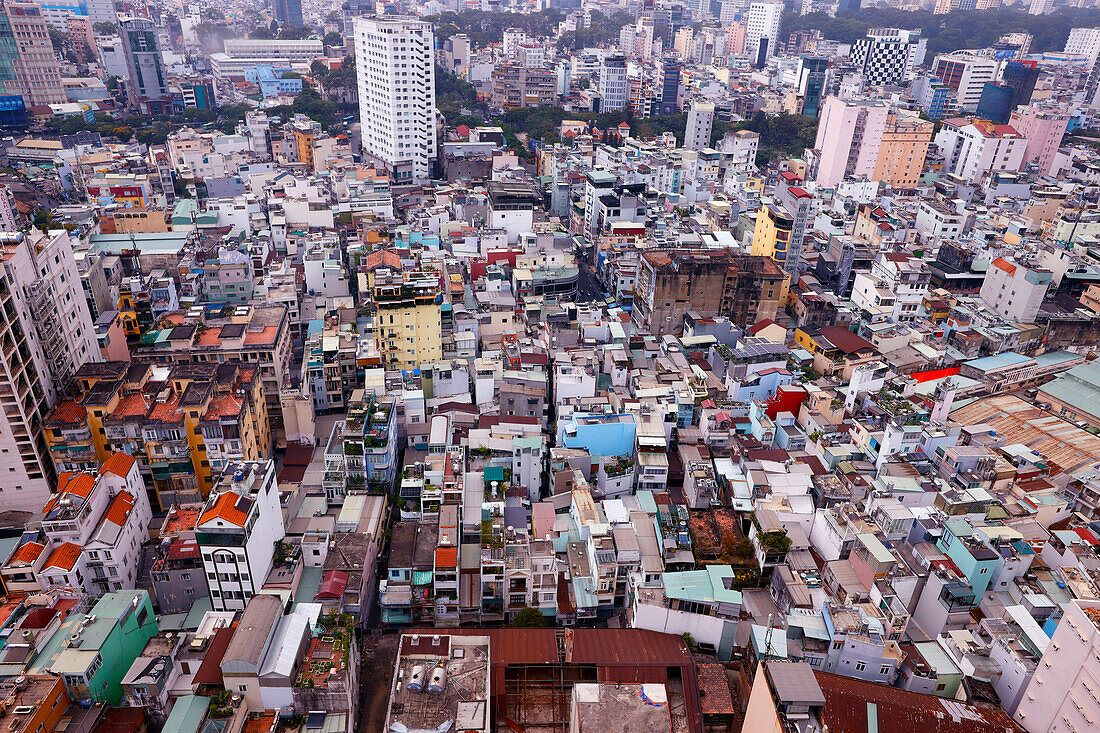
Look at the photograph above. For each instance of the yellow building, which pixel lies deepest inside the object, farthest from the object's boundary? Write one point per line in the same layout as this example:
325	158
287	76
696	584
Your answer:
408	319
772	235
183	423
904	147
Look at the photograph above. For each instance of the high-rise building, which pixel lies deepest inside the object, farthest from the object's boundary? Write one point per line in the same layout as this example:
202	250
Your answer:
102	11
147	86
848	138
288	12
1059	694
700	122
762	31
813	73
29	65
1044	130
396	73
967	74
1020	76
1084	42
996	103
47	334
903	149
670	86
888	55
613	87
972	148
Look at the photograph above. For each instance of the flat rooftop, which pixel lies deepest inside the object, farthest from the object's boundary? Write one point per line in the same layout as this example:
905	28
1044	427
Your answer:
441	679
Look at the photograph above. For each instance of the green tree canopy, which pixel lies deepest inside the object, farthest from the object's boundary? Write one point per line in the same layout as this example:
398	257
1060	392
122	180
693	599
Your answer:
529	618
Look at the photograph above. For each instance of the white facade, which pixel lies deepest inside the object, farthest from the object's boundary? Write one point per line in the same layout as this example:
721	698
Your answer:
762	31
237	531
1014	291
613	86
396	73
969	72
972	150
1084	42
1064	693
47	335
700	122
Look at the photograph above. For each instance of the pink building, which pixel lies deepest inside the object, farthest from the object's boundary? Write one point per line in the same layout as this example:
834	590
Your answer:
111	337
1044	129
849	136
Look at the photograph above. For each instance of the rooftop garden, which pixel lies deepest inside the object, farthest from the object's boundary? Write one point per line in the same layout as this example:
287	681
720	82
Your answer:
618	466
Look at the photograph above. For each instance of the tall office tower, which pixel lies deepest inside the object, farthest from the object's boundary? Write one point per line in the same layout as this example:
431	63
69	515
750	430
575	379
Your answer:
613	84
995	104
147	87
102	11
670	86
848	138
967	74
700	122
396	73
762	31
46	334
352	9
813	74
28	65
888	55
1020	77
288	12
1084	42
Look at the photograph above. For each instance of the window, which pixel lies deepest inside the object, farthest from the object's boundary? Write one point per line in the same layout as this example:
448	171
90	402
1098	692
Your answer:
941	687
860	666
242	688
838	644
884	669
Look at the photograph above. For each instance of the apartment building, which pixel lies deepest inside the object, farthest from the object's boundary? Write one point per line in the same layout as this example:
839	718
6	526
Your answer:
361	452
849	137
46	334
183	423
967	75
237	532
29	68
972	148
902	152
1015	291
396	76
407	318
516	86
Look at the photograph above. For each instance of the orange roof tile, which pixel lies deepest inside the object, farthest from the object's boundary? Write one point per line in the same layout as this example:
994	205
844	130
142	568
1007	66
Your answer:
267	336
118	464
180	520
227	507
446	557
68	412
120	508
209	337
132	405
80	484
64	556
167	411
223	405
27	554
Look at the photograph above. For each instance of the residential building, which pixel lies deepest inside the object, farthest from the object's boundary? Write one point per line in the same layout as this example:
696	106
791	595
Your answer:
903	150
237	532
408	323
396	75
1044	130
30	68
700	121
849	136
1014	291
47	336
612	84
972	148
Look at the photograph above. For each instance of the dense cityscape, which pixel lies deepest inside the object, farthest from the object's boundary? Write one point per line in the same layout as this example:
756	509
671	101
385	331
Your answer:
550	366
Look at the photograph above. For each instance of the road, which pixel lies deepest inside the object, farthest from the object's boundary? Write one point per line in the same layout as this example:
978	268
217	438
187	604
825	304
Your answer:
588	289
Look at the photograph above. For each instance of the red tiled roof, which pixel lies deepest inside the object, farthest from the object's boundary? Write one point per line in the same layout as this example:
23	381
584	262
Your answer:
228	506
64	556
27	554
1002	264
119	508
446	557
68	412
332	585
844	339
118	464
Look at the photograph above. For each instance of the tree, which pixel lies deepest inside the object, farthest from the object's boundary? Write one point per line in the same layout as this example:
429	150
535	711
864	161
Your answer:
529	618
332	38
103	28
262	33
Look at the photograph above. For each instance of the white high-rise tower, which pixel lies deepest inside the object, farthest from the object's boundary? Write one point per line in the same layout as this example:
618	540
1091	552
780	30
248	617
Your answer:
396	74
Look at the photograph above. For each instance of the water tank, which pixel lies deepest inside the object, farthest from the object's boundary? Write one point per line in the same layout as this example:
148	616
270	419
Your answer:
238	475
439	680
416	679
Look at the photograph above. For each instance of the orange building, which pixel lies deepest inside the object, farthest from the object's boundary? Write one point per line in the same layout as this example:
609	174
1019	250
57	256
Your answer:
901	155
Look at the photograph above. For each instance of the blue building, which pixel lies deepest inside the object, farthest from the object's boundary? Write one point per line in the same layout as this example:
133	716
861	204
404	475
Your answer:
996	103
599	434
936	100
271	82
